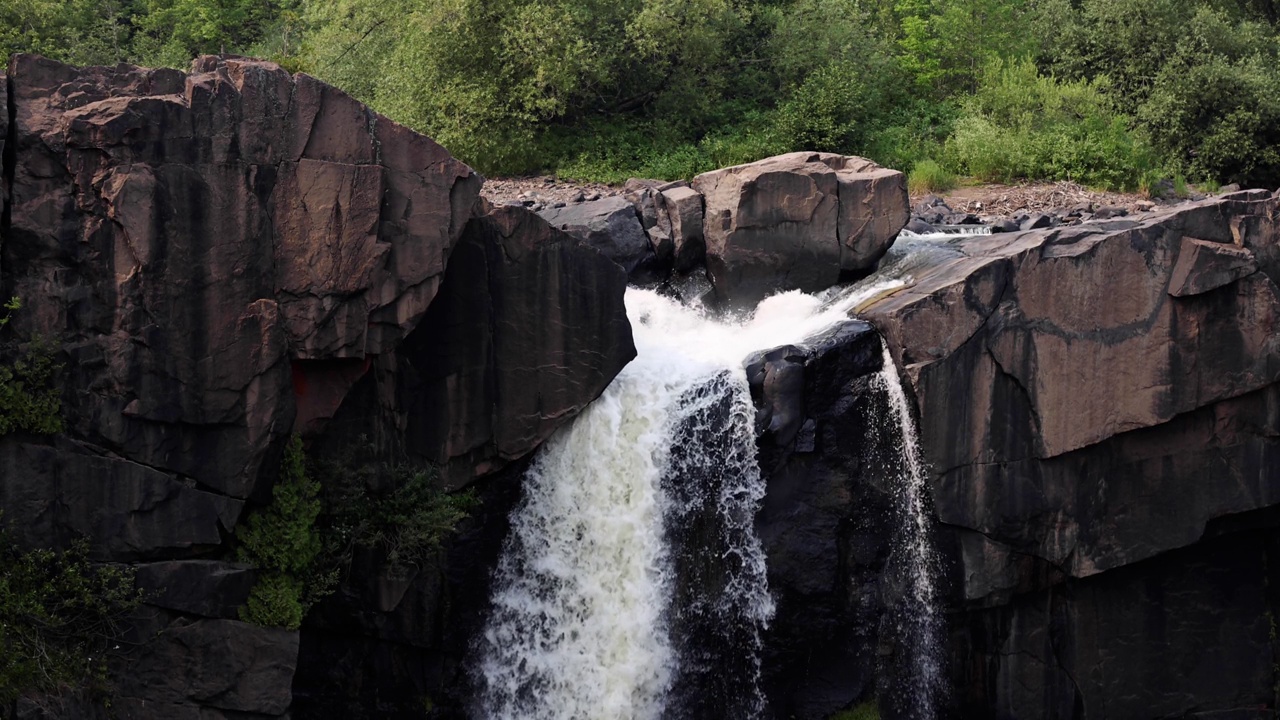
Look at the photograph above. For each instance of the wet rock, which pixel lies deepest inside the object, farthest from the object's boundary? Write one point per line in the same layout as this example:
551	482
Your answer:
1109	211
1005	226
1088	445
919	227
797	221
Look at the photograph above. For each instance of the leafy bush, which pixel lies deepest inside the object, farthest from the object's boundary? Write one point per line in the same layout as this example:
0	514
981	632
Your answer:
60	617
1021	124
1214	108
30	400
928	176
396	509
283	542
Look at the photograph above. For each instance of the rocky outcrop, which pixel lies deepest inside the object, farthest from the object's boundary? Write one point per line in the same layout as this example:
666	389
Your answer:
219	258
1097	402
611	226
528	328
797	221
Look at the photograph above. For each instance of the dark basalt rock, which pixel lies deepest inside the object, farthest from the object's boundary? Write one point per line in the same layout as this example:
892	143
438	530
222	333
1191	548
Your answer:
220	257
529	327
1094	402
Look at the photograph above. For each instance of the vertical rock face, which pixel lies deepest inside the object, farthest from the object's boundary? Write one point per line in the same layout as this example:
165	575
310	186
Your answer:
219	257
529	327
1094	400
189	234
797	221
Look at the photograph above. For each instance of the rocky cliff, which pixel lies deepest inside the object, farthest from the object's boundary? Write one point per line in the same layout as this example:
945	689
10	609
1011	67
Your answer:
223	258
1100	408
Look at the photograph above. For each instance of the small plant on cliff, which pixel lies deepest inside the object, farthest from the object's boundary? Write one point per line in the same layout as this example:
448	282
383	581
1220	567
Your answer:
29	398
398	510
60	618
283	542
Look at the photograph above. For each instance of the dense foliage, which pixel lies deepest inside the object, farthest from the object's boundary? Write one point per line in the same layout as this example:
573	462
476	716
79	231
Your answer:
303	541
1105	92
30	400
398	511
60	616
283	542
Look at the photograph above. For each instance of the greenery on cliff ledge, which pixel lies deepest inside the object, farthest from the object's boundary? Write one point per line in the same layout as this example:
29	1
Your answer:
30	400
1112	93
320	512
60	617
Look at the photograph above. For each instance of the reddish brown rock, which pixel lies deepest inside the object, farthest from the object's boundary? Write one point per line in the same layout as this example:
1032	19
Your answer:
188	235
797	221
1101	409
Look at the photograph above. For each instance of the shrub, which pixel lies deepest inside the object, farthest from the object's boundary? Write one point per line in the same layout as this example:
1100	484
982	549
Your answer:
1021	124
60	617
1214	108
283	542
930	177
30	400
398	510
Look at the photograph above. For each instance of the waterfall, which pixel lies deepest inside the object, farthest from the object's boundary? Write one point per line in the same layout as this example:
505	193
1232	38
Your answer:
913	561
632	584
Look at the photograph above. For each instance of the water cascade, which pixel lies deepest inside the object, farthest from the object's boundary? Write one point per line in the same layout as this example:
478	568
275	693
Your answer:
913	563
632	580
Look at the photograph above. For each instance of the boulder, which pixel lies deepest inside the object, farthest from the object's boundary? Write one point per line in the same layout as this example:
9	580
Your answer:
528	328
611	226
1203	266
53	494
797	221
682	207
194	666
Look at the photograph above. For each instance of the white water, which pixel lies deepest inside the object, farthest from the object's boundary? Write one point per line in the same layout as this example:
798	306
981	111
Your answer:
580	626
912	556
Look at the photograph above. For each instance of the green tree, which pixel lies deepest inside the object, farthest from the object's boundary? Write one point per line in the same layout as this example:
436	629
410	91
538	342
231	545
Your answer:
282	541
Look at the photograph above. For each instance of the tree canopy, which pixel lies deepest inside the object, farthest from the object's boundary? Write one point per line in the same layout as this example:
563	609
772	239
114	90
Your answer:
1105	92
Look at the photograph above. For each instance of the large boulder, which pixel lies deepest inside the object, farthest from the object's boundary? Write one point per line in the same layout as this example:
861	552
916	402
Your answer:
610	225
1094	399
528	328
800	221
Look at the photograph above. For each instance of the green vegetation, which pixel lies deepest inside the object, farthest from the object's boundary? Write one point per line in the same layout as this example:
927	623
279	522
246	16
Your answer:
60	618
397	510
1110	93
930	177
866	711
30	400
284	543
303	541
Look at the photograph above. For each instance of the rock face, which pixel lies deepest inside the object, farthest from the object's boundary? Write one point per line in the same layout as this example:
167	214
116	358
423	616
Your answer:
1100	408
219	257
797	221
528	328
611	226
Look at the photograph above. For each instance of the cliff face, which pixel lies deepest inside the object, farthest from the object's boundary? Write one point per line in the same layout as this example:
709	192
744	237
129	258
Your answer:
1101	409
219	257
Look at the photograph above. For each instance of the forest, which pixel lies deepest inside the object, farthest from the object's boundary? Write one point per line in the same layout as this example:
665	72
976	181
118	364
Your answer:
1113	94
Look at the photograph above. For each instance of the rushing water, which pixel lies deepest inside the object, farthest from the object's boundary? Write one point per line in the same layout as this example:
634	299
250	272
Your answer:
913	560
632	584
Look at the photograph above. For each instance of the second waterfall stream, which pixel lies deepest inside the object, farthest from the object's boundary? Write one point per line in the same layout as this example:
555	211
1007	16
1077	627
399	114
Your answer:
598	610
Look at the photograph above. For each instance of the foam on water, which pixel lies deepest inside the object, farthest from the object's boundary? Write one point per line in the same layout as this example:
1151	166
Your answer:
581	624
